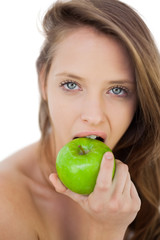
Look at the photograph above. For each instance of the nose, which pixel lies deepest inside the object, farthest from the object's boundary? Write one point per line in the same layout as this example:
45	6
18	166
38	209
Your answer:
93	111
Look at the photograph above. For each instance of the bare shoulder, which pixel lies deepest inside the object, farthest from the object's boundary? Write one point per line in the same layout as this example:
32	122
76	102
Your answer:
17	219
29	206
14	222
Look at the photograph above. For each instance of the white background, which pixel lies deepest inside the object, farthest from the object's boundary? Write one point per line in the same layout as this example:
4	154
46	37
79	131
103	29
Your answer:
20	42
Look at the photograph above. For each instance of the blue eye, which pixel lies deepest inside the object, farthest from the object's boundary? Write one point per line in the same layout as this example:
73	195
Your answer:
70	85
119	91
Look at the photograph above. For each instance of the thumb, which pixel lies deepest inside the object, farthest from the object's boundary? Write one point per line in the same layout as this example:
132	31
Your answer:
59	187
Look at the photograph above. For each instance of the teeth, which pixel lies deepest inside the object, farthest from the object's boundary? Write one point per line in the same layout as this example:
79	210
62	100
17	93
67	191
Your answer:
95	137
92	136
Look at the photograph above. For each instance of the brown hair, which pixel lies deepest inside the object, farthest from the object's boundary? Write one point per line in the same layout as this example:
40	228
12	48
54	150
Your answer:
140	145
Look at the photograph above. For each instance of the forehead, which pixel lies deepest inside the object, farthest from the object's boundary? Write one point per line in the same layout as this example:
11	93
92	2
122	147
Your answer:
86	34
87	45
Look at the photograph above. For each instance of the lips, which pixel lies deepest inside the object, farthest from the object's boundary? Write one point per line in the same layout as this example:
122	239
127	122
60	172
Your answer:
93	135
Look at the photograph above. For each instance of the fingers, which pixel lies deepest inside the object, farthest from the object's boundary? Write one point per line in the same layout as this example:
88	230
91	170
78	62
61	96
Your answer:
104	179
121	181
135	197
127	186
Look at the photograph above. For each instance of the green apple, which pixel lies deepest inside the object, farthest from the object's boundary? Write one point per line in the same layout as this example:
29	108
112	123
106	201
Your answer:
78	164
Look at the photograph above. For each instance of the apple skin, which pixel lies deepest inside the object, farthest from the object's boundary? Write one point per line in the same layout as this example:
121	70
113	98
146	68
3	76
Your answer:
78	170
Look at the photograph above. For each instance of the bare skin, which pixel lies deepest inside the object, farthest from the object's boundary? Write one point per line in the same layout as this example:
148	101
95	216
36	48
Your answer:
32	209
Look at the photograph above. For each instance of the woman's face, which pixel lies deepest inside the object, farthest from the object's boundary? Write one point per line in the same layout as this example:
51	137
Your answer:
90	88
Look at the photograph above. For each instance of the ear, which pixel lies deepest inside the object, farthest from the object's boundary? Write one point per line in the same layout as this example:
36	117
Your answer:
43	83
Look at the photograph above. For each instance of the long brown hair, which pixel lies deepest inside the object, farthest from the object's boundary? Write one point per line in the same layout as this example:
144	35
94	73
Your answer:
140	145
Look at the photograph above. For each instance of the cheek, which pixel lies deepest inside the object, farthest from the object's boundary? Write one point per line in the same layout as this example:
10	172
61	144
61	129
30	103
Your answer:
56	113
59	111
120	119
124	117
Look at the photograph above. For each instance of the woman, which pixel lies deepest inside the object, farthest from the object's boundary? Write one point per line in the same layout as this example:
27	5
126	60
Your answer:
98	75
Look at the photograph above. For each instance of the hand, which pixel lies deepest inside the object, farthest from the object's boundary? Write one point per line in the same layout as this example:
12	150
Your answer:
113	203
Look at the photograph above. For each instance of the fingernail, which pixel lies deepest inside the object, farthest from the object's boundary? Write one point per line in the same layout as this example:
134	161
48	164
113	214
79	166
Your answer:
109	155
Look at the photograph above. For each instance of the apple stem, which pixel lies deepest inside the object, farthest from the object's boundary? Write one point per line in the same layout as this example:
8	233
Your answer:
83	152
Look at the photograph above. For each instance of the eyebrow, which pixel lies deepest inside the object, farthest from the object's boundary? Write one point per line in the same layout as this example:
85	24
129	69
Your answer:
70	75
120	81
